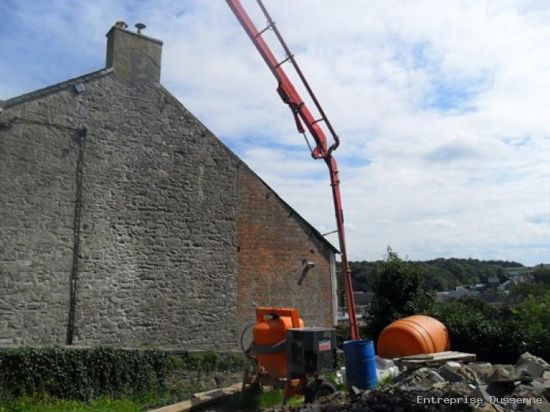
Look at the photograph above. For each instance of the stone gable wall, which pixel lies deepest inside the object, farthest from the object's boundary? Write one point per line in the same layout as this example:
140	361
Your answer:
159	226
157	261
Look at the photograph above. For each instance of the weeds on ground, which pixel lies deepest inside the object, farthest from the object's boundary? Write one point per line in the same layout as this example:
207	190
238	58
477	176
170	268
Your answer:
386	381
251	400
337	382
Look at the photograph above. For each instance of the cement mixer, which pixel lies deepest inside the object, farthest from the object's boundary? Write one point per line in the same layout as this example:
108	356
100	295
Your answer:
287	355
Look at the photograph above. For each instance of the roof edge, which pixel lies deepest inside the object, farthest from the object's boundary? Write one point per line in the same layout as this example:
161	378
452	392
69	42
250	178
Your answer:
54	88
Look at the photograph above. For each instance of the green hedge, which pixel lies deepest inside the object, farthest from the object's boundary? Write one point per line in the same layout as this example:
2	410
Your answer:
83	374
498	335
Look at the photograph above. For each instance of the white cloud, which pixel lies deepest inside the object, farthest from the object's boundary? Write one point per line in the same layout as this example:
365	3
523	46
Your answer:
448	101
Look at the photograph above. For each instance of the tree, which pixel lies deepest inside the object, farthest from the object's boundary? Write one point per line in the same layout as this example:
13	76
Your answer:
542	275
398	292
532	318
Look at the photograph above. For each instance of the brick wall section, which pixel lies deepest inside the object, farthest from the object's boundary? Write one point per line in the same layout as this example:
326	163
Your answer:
273	241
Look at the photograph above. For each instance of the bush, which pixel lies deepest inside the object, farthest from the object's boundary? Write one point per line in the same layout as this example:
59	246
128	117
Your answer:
83	374
472	328
497	335
531	318
542	275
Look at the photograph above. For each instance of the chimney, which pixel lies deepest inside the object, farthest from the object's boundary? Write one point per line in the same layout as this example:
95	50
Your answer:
133	56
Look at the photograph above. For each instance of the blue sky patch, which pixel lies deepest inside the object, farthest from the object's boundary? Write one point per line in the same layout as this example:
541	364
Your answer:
420	55
452	151
455	94
447	93
353	161
540	219
518	142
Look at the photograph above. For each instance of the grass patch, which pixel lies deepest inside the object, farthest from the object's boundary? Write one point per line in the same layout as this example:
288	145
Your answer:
46	404
270	398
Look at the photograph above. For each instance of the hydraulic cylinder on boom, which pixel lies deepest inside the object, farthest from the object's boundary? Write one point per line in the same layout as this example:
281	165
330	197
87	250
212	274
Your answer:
315	127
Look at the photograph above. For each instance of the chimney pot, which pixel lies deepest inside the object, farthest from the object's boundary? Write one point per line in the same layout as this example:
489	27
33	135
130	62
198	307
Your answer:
140	27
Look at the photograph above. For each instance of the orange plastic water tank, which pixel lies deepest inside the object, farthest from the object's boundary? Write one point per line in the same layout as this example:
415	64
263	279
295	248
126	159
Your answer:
413	335
269	335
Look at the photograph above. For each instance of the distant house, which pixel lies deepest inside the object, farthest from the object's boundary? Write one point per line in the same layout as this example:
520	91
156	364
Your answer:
493	281
462	291
459	292
506	285
442	296
516	280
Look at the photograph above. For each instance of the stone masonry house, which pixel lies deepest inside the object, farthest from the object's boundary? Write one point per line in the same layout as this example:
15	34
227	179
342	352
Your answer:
125	221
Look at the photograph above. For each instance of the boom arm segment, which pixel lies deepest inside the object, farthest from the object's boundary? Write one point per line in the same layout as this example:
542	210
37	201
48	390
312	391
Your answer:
302	115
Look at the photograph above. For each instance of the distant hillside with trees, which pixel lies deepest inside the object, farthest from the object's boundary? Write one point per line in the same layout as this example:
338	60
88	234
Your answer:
438	274
497	334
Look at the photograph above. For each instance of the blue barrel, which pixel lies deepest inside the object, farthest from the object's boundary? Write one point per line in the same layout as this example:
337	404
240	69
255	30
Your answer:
360	362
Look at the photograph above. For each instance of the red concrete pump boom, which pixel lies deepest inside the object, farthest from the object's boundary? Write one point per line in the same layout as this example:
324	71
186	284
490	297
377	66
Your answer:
302	115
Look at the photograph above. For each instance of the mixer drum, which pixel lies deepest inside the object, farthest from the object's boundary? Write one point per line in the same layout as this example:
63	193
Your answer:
269	337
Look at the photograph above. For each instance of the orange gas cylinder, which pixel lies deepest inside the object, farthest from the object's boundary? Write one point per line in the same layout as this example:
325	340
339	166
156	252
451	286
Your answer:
413	335
269	336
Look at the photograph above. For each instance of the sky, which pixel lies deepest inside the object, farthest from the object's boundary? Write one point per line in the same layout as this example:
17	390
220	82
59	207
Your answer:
442	107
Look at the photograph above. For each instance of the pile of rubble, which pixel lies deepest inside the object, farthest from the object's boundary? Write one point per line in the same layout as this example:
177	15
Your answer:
476	386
